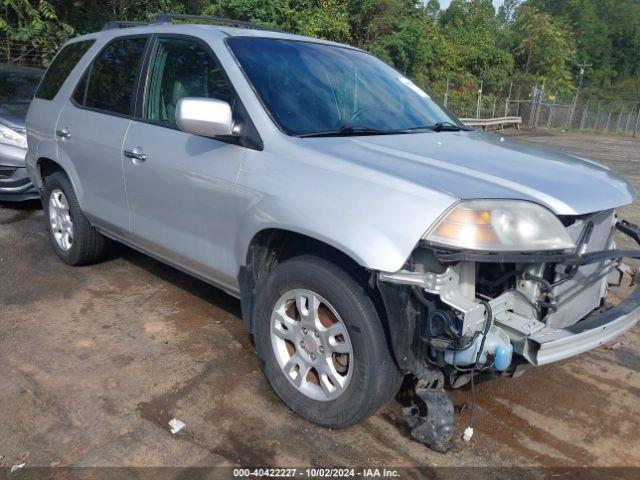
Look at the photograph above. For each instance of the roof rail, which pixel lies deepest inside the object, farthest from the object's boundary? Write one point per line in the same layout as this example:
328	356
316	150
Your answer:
122	24
169	17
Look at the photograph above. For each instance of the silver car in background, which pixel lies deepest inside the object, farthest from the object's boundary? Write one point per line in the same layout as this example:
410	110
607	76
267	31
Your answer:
368	234
17	86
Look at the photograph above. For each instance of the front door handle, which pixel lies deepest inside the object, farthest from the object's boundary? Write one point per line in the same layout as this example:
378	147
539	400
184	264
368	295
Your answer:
135	154
64	133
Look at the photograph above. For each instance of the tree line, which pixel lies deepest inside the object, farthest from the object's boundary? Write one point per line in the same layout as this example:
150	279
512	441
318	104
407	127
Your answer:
524	41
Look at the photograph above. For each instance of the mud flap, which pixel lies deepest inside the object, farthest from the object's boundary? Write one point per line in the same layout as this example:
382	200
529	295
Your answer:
432	422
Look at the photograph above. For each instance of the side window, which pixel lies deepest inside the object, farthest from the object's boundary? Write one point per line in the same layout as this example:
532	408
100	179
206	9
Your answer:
182	68
112	77
60	68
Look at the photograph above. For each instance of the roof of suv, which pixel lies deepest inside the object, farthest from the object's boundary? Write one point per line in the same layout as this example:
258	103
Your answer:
195	28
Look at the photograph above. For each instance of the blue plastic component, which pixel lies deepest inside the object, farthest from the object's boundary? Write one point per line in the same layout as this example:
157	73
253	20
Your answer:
497	343
503	357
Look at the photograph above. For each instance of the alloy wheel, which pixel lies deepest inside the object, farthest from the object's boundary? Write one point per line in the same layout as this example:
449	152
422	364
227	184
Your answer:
311	344
60	219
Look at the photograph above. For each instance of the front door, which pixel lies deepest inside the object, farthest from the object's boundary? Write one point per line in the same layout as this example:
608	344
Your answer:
92	127
181	187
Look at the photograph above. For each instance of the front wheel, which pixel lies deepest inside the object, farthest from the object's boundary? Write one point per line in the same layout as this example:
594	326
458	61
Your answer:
321	343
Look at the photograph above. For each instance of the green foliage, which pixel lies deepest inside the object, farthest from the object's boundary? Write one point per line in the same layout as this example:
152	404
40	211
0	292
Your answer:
607	34
526	41
433	9
507	11
31	30
543	48
324	19
401	33
473	30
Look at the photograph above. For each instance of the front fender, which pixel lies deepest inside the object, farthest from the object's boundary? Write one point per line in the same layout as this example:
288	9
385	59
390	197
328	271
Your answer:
374	219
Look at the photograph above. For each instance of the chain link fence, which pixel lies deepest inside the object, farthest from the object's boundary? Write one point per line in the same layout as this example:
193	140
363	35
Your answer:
537	108
22	53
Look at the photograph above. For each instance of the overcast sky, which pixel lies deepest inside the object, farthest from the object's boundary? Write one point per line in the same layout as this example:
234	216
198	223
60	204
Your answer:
445	3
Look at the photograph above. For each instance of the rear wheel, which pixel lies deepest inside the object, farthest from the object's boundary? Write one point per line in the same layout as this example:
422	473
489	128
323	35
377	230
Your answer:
72	236
321	343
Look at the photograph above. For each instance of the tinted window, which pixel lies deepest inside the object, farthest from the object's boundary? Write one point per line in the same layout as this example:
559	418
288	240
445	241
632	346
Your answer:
309	87
112	78
61	67
80	92
182	68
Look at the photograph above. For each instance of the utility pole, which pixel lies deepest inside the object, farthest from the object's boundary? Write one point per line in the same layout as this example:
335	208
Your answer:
446	93
575	99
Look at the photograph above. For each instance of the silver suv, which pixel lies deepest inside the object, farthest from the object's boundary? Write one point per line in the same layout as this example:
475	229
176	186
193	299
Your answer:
367	233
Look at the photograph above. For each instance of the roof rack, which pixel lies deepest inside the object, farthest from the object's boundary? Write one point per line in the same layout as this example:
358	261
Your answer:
169	17
122	24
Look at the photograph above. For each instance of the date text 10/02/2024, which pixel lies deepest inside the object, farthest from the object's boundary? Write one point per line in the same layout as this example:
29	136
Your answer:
316	472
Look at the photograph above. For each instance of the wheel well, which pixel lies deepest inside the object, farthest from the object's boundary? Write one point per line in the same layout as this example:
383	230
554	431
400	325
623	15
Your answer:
46	166
270	247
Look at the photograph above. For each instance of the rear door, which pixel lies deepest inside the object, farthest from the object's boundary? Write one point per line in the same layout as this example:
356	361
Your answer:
49	101
93	125
181	187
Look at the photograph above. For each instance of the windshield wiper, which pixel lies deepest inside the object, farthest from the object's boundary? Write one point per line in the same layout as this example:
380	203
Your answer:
442	127
448	127
346	131
351	131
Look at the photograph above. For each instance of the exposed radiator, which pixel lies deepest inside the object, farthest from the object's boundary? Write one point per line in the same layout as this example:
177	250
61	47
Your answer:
582	293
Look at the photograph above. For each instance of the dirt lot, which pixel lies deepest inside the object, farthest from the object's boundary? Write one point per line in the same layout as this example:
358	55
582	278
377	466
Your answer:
95	361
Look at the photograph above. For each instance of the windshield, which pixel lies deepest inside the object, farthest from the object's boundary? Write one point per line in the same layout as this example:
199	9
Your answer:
17	87
313	88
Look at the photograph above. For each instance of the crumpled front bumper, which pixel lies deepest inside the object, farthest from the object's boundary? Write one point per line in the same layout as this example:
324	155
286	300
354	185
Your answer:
540	344
553	344
557	344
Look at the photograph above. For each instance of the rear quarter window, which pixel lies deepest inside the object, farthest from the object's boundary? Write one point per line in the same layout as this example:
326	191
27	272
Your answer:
112	77
60	69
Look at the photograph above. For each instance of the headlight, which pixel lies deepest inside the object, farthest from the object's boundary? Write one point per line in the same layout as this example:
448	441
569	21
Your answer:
500	225
8	136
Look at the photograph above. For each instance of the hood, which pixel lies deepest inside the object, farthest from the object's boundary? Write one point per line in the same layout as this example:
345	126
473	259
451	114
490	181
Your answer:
470	165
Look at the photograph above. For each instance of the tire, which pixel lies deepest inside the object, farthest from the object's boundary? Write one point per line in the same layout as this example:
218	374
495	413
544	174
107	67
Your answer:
85	244
374	378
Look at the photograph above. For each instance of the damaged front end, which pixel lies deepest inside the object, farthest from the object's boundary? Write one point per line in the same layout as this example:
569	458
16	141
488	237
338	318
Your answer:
454	313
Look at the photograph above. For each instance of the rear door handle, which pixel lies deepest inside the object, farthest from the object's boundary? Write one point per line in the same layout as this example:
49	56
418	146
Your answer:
64	133
135	154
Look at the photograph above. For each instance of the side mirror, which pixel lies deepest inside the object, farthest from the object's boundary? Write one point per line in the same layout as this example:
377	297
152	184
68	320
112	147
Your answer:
208	117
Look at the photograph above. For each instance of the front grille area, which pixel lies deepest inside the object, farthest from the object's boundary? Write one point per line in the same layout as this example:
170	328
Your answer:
581	293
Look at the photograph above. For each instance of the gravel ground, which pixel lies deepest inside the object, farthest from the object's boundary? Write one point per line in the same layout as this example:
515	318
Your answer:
95	361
